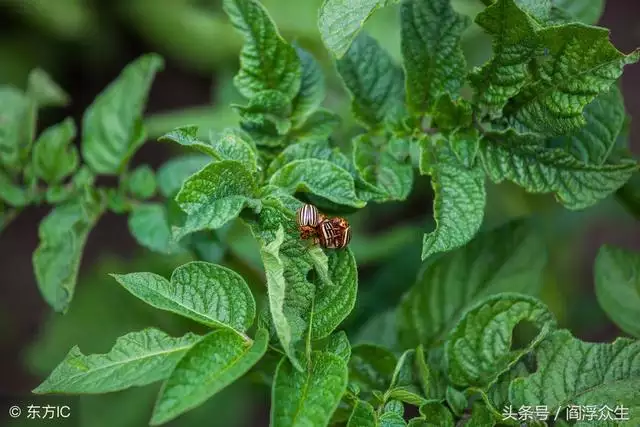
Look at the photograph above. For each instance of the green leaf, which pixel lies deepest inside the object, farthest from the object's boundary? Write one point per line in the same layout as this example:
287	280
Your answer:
175	172
433	57
287	322
215	195
481	416
318	127
54	156
142	182
509	258
539	9
17	115
517	158
617	280
581	63
339	345
371	367
333	302
149	225
410	395
450	114
319	177
312	87
320	150
391	419
594	142
340	21
11	193
136	359
308	398
514	43
436	414
572	372
212	364
207	293
377	166
268	112
586	12
456	400
56	261
44	91
460	198
478	349
267	61
363	415
112	127
375	82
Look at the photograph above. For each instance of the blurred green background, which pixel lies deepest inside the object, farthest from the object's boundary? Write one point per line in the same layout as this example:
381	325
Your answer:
84	44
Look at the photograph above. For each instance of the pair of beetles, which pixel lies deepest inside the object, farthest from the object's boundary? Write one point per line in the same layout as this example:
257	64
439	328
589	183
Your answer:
330	233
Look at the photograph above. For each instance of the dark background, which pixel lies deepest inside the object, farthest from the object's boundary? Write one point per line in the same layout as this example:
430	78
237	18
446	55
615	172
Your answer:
84	45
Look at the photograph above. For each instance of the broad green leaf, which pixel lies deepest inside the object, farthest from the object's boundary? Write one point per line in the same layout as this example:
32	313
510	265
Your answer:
460	198
333	302
56	261
629	195
450	114
268	112
207	293
481	416
433	56
587	12
340	21
394	406
539	9
318	127
514	43
17	115
213	363
436	413
456	400
509	258
267	61
410	395
142	182
175	172
339	345
312	87
371	367
230	144
596	139
112	127
11	193
319	177
391	419
431	373
577	185
617	281
149	225
478	349
215	195
581	63
136	359
363	415
310	397
572	372
375	82
320	150
377	165
44	91
54	155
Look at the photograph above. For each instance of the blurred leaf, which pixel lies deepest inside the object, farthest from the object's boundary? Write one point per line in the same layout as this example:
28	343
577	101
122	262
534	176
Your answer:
207	293
325	381
371	367
312	87
149	225
587	12
267	61
112	126
488	324
433	57
213	363
45	92
375	82
617	280
338	344
54	155
56	261
11	193
363	415
435	413
138	358
142	182
456	400
340	21
175	172
17	115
